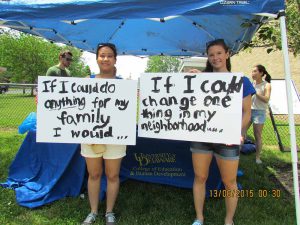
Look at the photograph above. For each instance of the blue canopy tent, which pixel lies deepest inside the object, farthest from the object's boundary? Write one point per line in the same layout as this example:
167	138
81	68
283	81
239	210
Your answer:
152	27
171	27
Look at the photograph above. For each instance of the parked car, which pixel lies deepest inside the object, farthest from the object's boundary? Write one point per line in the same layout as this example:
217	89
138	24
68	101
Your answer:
3	88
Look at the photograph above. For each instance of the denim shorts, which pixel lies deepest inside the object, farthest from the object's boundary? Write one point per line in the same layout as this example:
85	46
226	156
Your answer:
258	116
226	152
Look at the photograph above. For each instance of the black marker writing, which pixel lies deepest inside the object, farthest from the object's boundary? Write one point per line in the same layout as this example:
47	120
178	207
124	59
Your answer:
52	85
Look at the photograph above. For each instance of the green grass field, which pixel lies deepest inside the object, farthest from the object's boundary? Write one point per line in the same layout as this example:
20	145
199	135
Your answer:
269	137
152	204
15	108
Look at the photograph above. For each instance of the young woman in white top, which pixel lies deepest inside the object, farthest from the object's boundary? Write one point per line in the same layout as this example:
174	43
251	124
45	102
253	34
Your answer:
262	84
102	158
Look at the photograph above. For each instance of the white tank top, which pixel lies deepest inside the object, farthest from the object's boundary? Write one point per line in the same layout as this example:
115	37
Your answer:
256	102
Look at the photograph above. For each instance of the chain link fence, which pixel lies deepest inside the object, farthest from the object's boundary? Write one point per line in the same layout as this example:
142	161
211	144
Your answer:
282	125
18	100
273	138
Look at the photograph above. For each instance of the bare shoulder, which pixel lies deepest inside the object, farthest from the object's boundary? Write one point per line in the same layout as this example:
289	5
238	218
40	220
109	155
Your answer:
268	85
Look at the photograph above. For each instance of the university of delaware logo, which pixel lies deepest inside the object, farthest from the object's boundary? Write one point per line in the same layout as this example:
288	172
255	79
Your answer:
146	159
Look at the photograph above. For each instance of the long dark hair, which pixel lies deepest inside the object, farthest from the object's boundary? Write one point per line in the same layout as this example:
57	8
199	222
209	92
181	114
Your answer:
222	43
264	72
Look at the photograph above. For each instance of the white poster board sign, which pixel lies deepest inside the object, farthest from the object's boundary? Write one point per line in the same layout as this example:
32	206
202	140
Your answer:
205	107
85	110
278	98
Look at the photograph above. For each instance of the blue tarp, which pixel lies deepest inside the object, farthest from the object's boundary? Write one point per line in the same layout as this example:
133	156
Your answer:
44	172
144	27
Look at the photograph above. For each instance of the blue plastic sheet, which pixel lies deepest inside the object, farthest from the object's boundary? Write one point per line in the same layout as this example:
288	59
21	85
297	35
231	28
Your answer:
42	172
28	124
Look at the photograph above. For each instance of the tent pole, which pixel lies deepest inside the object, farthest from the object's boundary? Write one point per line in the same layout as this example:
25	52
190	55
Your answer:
276	130
291	113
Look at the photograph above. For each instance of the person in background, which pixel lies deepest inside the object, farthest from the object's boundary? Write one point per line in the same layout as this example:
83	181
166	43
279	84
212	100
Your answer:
259	105
61	69
227	156
101	157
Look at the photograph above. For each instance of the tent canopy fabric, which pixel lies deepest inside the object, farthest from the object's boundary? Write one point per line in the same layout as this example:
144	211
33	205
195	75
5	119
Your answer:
140	27
131	9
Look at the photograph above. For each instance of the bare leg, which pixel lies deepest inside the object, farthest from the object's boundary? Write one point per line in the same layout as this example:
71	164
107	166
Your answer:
112	171
201	164
95	169
257	129
228	170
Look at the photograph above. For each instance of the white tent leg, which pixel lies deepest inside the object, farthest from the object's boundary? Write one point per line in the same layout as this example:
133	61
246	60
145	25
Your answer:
291	115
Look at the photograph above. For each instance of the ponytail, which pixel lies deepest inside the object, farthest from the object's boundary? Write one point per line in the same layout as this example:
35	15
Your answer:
264	72
268	77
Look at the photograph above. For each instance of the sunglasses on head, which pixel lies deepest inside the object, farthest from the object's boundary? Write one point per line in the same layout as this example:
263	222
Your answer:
110	45
106	44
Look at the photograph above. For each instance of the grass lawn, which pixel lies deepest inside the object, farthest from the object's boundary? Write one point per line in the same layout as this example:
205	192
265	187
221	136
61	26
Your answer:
151	204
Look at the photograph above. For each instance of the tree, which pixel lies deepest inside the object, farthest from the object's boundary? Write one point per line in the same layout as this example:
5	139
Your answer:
26	57
269	35
163	64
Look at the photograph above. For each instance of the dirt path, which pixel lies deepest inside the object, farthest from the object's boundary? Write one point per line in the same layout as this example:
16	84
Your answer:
284	175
